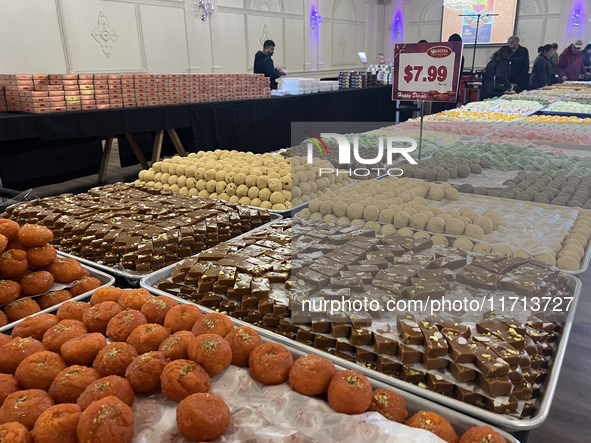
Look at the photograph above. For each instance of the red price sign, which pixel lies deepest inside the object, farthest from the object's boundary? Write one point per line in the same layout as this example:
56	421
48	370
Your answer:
427	71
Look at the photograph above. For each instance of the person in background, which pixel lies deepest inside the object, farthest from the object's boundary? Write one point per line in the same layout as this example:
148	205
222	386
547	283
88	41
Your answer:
440	107
263	63
587	56
541	72
423	41
495	81
519	66
457	38
570	64
553	63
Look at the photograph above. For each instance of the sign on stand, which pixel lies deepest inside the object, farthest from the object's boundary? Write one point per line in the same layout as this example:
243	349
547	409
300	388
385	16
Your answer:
427	72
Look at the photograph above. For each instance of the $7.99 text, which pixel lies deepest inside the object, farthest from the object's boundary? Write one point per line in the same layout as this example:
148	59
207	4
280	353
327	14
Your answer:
433	73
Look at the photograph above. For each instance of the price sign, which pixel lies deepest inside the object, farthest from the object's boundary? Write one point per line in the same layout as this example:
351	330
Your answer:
427	71
381	58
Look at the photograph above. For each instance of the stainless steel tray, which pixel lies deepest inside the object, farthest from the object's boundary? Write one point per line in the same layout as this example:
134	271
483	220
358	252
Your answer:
504	422
106	280
587	258
133	277
414	403
460	422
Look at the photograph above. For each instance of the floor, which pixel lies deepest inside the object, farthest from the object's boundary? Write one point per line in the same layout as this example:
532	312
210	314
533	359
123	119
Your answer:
570	417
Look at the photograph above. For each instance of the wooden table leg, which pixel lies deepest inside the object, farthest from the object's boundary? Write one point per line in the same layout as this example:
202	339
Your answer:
177	142
105	159
137	151
157	146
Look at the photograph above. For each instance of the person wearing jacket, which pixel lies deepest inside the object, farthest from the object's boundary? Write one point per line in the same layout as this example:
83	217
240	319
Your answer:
495	81
519	64
263	63
570	63
587	56
541	72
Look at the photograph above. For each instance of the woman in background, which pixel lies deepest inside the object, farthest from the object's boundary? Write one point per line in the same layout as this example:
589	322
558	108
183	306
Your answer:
587	56
495	81
541	73
553	62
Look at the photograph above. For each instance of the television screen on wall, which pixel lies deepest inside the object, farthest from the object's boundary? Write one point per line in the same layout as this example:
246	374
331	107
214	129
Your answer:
492	29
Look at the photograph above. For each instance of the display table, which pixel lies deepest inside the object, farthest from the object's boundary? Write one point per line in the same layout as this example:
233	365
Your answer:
258	125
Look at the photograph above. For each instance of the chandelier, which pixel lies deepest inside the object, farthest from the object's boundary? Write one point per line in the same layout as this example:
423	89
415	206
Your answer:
458	5
316	19
203	9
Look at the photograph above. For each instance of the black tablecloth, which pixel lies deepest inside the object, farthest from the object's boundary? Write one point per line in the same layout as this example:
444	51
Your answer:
258	125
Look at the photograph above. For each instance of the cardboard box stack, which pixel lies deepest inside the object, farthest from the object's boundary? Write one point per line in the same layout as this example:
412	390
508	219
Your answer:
128	91
88	92
195	95
101	92
146	89
79	92
115	90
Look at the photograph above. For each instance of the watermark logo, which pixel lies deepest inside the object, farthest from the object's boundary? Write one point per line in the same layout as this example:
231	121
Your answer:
345	153
317	141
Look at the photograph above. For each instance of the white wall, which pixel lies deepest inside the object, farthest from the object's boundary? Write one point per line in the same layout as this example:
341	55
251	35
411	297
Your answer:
60	36
56	36
538	22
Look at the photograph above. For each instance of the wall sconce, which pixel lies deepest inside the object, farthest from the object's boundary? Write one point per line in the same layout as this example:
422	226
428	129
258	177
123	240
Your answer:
204	10
397	27
315	19
576	18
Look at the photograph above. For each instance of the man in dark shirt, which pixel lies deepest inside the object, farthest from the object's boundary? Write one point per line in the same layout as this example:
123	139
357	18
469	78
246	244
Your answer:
519	64
263	63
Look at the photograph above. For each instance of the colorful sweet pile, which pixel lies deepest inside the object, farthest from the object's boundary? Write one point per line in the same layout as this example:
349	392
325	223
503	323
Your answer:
540	98
562	90
512	107
580	98
550	129
413	131
508	156
473	116
461	128
571	106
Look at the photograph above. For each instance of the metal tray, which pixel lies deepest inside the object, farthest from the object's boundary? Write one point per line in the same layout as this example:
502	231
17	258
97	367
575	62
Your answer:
414	403
565	114
587	258
504	422
133	277
106	280
460	422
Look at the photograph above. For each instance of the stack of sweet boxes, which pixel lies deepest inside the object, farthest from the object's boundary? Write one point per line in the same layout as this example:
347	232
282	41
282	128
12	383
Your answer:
29	93
87	90
128	91
101	91
146	89
173	89
115	88
195	94
260	87
2	99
